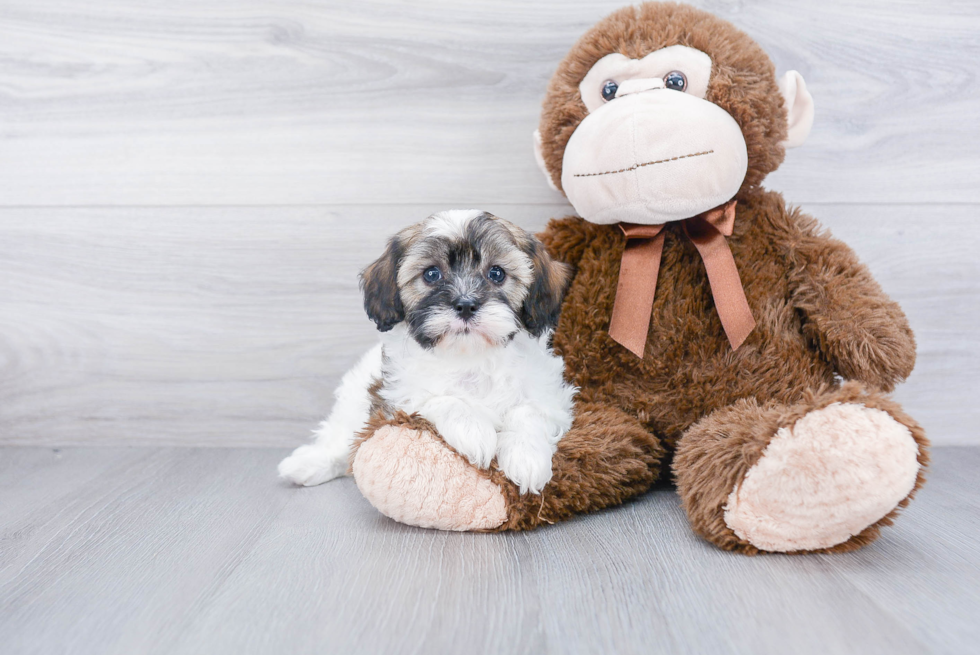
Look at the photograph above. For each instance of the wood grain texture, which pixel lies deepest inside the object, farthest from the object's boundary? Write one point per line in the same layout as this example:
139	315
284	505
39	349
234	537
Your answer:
122	102
166	529
203	551
933	562
227	318
188	326
231	326
187	190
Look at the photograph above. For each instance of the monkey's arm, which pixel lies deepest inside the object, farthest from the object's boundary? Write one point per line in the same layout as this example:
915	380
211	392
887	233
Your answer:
566	238
862	331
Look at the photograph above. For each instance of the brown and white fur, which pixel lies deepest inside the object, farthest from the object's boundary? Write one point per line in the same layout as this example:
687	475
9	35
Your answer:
466	303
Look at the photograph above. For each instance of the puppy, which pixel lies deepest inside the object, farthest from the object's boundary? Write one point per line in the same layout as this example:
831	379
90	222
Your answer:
466	303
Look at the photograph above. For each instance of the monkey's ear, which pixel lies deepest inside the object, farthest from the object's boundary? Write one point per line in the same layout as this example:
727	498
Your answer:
539	157
379	284
799	108
543	303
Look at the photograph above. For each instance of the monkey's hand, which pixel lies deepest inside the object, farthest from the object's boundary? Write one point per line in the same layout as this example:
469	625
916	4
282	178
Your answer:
860	330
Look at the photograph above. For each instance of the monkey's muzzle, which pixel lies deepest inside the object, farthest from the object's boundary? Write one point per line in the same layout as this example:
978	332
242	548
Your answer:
653	155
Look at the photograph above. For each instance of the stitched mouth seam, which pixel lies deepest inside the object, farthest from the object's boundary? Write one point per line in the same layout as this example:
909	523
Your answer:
649	163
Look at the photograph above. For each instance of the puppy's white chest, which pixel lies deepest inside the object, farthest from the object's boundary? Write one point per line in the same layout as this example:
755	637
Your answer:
472	383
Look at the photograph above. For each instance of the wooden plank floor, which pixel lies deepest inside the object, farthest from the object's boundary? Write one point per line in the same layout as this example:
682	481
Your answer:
179	550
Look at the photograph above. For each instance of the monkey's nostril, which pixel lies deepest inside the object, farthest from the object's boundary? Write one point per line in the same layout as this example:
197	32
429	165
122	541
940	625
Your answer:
466	307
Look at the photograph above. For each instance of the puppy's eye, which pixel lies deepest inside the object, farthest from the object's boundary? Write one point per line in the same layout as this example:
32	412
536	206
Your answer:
609	88
496	275
432	274
675	80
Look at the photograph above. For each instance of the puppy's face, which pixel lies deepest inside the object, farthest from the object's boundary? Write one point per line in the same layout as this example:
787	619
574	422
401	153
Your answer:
464	277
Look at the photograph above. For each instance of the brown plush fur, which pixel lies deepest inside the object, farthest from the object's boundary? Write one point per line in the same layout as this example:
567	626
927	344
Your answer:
690	373
743	79
819	313
719	450
606	458
689	369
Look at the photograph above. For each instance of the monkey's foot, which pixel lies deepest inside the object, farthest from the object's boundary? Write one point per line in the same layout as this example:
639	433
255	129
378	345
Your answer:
837	471
414	478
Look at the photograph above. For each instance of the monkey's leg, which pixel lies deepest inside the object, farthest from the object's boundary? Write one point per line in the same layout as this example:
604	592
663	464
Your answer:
405	469
410	474
822	475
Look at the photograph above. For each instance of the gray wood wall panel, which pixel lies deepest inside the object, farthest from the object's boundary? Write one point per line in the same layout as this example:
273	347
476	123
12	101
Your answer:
230	326
189	326
122	102
188	188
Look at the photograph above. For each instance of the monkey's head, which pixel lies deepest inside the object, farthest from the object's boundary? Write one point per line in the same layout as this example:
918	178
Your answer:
662	111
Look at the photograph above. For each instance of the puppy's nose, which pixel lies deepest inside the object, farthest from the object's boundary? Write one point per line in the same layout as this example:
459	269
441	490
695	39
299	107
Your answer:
466	307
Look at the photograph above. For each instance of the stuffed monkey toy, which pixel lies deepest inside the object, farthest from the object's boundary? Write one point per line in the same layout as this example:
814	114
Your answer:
719	338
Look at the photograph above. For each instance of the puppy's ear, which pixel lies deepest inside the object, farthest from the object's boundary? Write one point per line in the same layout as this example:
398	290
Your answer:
551	278
379	284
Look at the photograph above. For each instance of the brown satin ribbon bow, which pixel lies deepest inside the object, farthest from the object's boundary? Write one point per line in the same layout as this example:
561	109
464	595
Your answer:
641	263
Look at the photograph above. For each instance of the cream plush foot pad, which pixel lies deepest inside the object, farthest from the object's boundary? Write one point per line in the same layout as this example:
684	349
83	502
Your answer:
410	476
835	472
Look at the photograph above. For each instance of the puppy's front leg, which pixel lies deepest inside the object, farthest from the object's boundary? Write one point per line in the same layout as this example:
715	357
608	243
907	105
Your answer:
472	434
326	458
525	447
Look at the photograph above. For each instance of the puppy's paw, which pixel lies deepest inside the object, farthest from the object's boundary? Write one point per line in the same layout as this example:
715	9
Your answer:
314	464
526	462
474	439
471	434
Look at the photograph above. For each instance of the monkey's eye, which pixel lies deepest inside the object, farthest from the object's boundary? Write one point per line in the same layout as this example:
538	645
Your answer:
609	89
496	275
432	274
675	80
